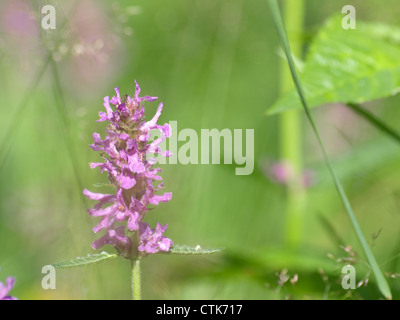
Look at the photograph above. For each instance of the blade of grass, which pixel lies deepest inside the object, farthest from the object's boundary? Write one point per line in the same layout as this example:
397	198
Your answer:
16	121
62	111
379	124
61	104
380	279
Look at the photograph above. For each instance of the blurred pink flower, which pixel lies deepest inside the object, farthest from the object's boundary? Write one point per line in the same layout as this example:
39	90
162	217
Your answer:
5	289
20	30
282	173
18	20
86	48
308	178
342	130
92	45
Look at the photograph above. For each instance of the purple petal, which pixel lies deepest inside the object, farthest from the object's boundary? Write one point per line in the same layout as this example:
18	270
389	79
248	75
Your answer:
126	180
133	221
164	198
5	289
108	108
137	91
104	198
116	100
150	124
165	244
103	117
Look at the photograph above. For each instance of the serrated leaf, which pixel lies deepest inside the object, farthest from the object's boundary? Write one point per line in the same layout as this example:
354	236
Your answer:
190	250
83	261
348	66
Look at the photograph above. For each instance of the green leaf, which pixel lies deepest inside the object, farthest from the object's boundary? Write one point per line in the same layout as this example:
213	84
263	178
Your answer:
83	261
348	66
188	250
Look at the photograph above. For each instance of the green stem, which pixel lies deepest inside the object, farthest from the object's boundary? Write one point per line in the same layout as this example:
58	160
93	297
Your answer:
136	285
290	132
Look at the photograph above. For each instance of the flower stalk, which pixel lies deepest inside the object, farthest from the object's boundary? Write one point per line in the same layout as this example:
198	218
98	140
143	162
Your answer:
136	280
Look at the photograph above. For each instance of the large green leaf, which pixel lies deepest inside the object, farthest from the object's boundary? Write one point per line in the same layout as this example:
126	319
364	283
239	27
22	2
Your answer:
348	66
83	261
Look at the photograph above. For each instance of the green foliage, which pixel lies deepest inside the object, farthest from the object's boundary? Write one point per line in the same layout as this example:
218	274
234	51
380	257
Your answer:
348	66
380	279
83	261
212	73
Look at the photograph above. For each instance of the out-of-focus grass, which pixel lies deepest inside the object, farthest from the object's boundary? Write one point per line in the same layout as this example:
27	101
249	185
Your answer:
214	65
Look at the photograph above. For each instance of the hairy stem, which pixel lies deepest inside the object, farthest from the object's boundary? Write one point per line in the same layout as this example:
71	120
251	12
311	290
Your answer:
136	284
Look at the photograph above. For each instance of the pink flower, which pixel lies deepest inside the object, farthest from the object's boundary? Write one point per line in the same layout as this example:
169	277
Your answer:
5	289
283	172
126	152
152	240
86	43
280	172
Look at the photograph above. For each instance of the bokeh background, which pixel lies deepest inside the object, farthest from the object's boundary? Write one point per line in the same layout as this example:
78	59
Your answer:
214	64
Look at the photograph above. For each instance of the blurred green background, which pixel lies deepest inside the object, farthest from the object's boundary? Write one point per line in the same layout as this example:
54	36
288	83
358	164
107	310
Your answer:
214	64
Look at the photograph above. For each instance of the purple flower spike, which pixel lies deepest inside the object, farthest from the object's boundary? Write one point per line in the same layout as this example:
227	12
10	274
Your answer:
5	289
129	161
